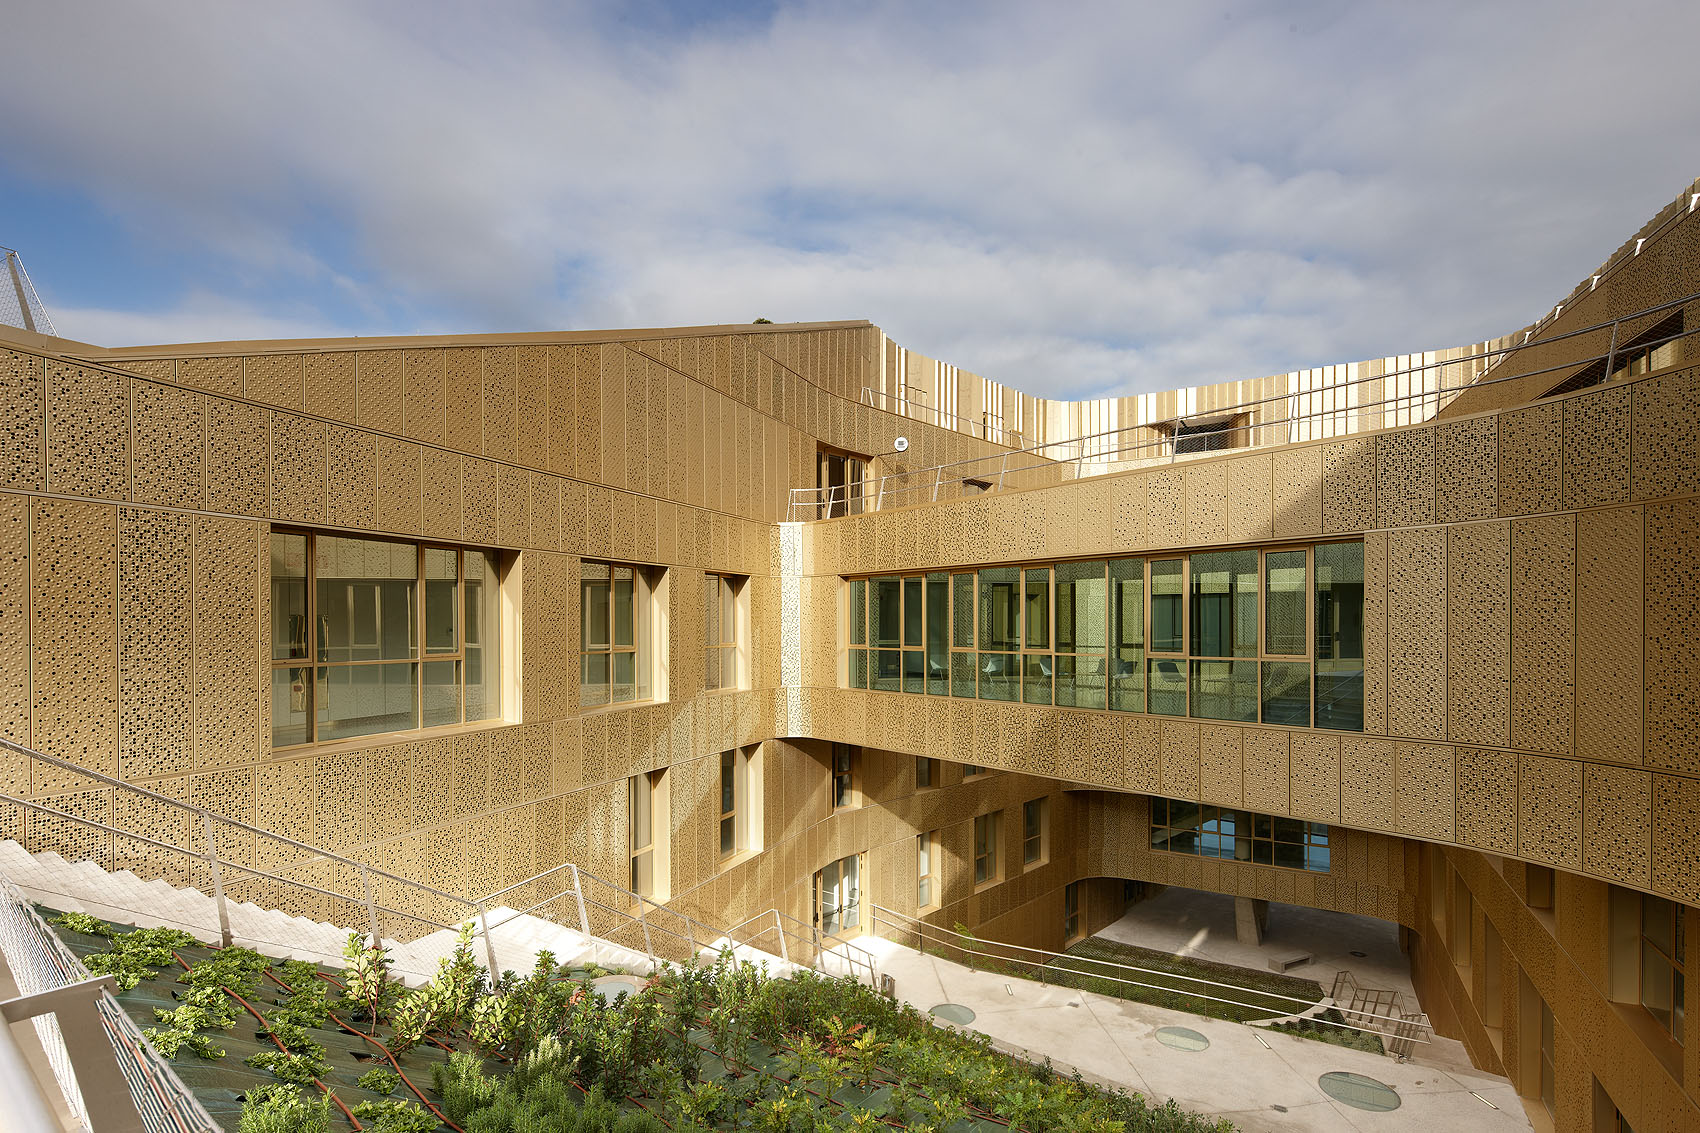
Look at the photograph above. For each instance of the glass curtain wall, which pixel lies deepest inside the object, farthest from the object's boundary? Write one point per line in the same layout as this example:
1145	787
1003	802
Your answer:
1245	635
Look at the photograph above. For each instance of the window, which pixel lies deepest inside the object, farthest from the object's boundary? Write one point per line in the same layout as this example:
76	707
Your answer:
844	776
927	869
1071	910
1185	827
1273	637
616	630
1537	885
838	896
722	618
732	801
1212	434
647	832
839	476
986	829
1035	832
1653	928
403	636
1653	349
926	773
972	770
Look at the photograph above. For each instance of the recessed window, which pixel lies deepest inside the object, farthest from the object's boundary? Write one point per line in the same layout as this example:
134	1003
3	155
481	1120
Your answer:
927	869
374	635
926	773
1071	910
1035	832
844	759
616	631
838	896
733	790
647	830
839	477
1663	963
986	865
723	617
1183	827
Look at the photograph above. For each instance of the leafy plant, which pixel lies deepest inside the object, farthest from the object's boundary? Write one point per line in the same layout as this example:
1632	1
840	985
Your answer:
84	923
283	1109
379	1081
288	1067
368	974
396	1116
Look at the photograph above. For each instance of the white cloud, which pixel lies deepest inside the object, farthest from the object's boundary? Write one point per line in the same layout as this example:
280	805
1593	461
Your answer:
1130	198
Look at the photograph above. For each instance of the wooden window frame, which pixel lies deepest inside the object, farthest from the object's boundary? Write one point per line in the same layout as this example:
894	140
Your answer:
1036	844
988	860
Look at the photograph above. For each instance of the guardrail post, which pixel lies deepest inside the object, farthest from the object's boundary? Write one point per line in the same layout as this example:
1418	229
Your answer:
938	478
371	908
780	929
224	937
690	937
489	944
1003	467
1611	354
578	891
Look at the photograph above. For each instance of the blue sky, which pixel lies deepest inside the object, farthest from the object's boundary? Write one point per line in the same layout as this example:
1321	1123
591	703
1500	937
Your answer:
1097	198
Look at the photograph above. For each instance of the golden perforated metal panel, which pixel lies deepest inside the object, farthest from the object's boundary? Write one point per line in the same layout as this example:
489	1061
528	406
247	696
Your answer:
397	494
215	375
1297	492
15	623
23	380
155	644
1616	823
1249	508
425	395
74	621
378	399
331	385
238	458
1367	783
230	670
1348	485
1467	469
88	432
1478	633
352	461
1426	790
298	468
168	462
1530	460
1405	478
1676	838
277	379
1549	812
1416	633
1673	635
1543	632
1596	448
1206	504
1608	634
1219	765
1487	799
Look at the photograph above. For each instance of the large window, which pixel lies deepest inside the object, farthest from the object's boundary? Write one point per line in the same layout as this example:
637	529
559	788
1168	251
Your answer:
1648	952
1238	835
723	665
838	896
734	791
844	776
371	635
1035	831
616	647
839	477
927	869
1270	636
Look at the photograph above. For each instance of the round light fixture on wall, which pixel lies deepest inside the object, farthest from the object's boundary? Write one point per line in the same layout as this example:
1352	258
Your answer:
901	444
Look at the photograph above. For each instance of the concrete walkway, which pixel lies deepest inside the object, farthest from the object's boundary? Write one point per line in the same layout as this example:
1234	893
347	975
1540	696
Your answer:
1261	1081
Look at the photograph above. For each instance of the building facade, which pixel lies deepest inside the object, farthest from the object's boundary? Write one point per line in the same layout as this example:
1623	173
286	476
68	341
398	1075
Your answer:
466	608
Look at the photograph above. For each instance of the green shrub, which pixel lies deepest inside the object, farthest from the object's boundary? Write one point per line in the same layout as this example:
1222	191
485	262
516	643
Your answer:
379	1081
396	1116
283	1109
84	923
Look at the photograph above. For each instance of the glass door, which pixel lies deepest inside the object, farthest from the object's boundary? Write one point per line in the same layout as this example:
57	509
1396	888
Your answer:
838	897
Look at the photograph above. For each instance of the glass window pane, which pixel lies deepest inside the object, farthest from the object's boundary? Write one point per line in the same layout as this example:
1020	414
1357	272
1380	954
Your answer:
728	836
289	596
963	670
1340	636
728	782
1224	690
858	668
1286	693
914	670
1167	591
441	575
439	693
625	677
593	685
1127	645
1082	608
938	636
1036	610
624	597
912	613
711	634
292	702
999	677
594	606
1224	604
642	801
1167	687
1000	609
888	670
365	598
483	628
641	639
886	613
1284	603
1036	678
858	611
962	611
359	700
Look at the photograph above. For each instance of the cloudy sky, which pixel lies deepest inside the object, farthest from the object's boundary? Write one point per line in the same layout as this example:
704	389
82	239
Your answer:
1073	198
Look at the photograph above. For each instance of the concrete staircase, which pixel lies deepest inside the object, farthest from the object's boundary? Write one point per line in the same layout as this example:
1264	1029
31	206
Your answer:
124	898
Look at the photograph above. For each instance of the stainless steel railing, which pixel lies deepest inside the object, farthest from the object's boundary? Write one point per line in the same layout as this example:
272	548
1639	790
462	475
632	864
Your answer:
1042	965
1130	446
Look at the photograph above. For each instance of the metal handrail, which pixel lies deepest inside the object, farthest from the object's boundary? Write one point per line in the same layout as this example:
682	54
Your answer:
815	503
923	930
869	393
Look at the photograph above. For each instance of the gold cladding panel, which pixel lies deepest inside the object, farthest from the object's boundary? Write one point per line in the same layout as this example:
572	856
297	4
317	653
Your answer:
378	398
1676	838
440	477
1315	786
73	605
1297	492
1608	634
501	402
1206	504
478	500
170	446
1467	469
1405	478
1665	417
228	663
1219	765
352	458
1617	823
298	469
1265	770
88	432
1348	485
424	395
238	461
14	639
1673	636
1426	803
1549	813
1249	507
1487	799
215	375
1543	632
155	644
1416	633
1530	460
1478	628
1596	448
396	495
1367	783
277	379
1375	633
331	385
22	385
